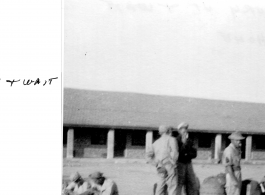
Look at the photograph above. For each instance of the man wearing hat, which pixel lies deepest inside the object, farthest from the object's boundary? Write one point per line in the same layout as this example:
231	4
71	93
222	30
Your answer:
102	184
231	160
164	155
187	151
77	186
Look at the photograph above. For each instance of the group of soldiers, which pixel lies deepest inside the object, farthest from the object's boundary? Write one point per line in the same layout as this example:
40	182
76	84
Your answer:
96	184
172	158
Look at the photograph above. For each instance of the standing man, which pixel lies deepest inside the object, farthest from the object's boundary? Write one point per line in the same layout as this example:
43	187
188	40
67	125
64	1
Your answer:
164	155
186	175
231	160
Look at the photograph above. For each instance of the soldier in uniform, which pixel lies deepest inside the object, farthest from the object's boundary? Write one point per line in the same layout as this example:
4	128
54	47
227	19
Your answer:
186	175
231	160
164	155
77	186
103	185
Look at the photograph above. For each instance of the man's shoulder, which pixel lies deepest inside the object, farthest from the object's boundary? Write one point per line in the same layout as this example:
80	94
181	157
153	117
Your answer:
228	150
158	141
165	139
87	184
173	139
110	184
109	181
71	185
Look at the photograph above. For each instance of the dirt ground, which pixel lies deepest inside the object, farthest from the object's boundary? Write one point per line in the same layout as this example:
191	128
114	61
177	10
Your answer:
137	177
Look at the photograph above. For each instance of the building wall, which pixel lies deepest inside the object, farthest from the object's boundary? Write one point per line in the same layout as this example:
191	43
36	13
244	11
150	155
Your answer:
258	155
204	153
135	152
135	144
92	143
95	151
79	147
258	147
204	142
139	151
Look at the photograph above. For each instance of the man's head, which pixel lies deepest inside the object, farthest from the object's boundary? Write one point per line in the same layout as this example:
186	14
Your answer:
76	177
183	131
97	177
170	130
164	130
236	139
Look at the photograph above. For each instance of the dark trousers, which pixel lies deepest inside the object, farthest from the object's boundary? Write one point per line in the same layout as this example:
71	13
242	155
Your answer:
187	180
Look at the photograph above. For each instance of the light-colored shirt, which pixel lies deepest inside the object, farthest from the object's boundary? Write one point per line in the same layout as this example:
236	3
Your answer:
164	150
109	187
78	189
232	157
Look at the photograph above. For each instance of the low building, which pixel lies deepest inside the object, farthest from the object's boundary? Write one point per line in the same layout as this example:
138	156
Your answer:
114	124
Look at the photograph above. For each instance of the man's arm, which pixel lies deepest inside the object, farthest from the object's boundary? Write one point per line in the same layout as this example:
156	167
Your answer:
90	192
150	156
227	161
174	150
89	189
71	186
231	173
110	189
69	190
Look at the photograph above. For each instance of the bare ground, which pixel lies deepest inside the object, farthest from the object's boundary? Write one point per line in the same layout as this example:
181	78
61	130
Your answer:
135	177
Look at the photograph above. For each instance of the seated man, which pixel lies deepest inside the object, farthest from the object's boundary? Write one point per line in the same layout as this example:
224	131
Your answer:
104	185
78	186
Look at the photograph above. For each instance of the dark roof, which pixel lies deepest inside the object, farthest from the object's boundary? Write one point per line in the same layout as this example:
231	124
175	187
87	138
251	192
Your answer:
132	110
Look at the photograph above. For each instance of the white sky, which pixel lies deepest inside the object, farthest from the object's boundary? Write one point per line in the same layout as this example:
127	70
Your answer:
196	49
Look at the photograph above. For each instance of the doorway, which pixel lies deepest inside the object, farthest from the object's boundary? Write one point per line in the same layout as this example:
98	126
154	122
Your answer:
120	143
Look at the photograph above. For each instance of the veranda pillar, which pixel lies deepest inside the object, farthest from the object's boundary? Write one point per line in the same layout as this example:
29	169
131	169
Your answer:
248	147
70	143
110	144
217	148
148	140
